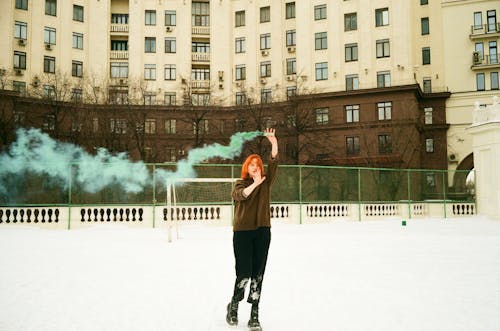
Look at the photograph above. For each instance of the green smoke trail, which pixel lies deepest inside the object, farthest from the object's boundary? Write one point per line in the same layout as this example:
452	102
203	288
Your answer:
35	152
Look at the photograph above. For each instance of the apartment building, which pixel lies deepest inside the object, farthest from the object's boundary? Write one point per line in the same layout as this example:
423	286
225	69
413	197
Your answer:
358	57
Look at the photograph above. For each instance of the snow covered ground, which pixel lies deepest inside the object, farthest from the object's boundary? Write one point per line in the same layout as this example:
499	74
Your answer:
379	275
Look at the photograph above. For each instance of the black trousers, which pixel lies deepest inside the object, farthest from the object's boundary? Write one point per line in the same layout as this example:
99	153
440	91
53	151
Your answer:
250	253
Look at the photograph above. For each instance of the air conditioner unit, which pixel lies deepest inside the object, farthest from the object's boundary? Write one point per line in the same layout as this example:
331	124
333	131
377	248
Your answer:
48	46
169	28
19	72
291	49
21	42
476	58
263	81
289	77
123	82
452	158
238	84
264	53
221	75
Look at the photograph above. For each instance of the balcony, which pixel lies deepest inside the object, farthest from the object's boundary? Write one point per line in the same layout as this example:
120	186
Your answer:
118	55
200	30
119	28
200	85
200	57
485	31
480	62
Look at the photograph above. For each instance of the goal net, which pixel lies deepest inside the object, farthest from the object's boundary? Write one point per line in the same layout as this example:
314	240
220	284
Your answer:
198	199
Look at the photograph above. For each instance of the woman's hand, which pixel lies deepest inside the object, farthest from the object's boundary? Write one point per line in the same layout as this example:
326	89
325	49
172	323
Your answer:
257	178
270	134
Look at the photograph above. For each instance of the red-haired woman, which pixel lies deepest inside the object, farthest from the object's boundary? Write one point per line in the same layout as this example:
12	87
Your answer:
252	230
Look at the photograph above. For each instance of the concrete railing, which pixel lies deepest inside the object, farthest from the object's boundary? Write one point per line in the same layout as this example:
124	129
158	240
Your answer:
118	55
65	217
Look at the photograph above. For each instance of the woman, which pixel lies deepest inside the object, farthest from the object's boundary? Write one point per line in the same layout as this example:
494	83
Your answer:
252	230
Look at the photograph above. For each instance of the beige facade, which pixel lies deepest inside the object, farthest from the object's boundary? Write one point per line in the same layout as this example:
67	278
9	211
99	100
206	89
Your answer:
169	52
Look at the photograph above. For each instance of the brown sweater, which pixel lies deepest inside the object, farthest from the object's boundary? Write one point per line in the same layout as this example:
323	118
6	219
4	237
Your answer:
253	211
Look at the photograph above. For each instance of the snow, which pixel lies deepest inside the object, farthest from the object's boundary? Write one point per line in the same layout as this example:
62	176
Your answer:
432	274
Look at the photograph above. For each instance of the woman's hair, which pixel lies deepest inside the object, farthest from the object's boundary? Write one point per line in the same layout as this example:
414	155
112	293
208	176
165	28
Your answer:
250	158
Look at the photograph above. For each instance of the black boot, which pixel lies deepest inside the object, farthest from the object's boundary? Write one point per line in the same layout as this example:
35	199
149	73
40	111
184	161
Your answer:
232	313
253	323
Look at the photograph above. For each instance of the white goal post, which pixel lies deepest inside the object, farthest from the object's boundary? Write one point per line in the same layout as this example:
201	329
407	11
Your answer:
194	199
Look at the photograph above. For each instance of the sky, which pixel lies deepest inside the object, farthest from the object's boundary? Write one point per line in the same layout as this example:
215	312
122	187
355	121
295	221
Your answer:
431	274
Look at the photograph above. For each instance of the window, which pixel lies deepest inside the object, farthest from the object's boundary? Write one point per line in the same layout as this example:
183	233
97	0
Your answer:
350	22
119	45
428	115
77	13
170	99
170	155
427	85
384	110
426	55
384	144
430	180
319	12
240	72
321	71
239	45
291	91
480	85
265	14
291	66
119	18
170	18
266	95
49	123
51	7
493	52
383	48
170	126
77	69
95	124
321	116
49	64
351	52
265	69
200	14
150	126
351	82
49	35
150	44
352	113
201	126
20	30
170	45
77	40
429	145
118	126
478	20
241	98
19	60
383	79
424	2
200	74
150	17
352	145
19	87
491	19
77	96
239	18
119	70
119	97
170	72
265	41
382	17
424	23
22	4
494	80
290	10
200	47
291	38
320	40
150	71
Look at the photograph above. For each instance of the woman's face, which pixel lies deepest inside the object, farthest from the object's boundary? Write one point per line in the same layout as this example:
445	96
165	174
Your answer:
253	168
